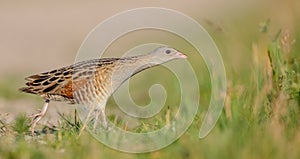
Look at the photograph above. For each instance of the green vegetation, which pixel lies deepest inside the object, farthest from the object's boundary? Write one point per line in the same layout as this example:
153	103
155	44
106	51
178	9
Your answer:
261	117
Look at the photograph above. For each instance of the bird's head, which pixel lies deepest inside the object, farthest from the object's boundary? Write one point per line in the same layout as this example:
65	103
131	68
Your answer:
165	54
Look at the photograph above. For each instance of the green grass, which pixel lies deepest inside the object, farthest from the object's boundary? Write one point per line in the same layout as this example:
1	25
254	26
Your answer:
261	117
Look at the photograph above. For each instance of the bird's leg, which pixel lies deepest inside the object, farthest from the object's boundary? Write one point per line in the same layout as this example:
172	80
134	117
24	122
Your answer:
103	118
100	113
75	119
96	119
37	117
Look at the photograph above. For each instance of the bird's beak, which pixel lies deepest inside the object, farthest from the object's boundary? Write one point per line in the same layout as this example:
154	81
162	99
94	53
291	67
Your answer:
181	55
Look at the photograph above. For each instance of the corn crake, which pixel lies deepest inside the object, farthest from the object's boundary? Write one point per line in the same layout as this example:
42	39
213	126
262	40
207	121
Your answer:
92	82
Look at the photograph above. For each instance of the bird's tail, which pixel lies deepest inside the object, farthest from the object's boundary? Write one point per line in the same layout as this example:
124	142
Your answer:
28	90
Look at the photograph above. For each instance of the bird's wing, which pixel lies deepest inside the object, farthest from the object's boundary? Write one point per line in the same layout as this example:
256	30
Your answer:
48	82
62	82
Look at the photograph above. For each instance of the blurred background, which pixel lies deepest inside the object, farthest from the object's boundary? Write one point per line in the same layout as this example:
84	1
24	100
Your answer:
38	36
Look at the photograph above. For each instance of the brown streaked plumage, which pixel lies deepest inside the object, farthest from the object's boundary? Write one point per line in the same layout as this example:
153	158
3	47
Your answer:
92	82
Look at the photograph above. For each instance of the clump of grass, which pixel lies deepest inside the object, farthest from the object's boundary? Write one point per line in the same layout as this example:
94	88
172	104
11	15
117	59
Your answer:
22	124
286	86
285	77
3	128
67	123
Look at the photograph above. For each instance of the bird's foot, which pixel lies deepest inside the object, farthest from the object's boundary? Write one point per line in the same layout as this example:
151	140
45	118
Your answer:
34	116
37	117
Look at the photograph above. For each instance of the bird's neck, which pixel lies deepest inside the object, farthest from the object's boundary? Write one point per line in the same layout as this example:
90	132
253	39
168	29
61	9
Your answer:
130	66
135	64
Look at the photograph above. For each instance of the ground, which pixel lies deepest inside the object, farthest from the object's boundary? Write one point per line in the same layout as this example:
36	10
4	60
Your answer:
259	43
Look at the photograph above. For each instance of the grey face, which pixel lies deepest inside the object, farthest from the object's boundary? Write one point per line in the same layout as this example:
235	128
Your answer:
164	54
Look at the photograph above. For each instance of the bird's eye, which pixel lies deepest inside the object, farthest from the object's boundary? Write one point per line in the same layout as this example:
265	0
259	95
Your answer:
168	51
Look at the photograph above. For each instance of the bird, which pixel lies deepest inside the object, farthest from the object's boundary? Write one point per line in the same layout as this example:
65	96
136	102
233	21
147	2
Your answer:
92	82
